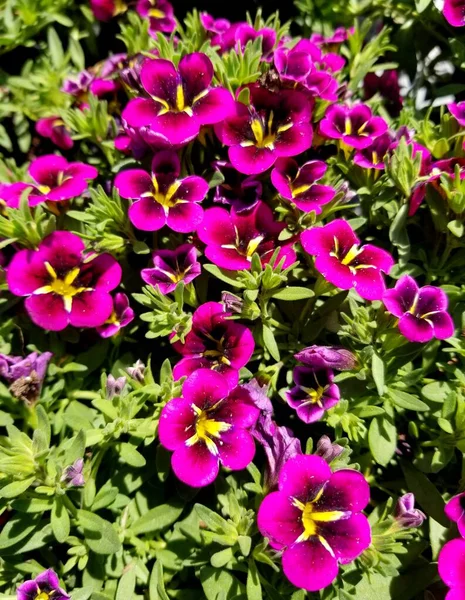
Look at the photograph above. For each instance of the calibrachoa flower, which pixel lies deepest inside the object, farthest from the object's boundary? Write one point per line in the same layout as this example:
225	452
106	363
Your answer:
422	312
344	263
372	157
160	13
339	36
25	374
451	566
315	519
122	314
172	266
454	12
237	190
455	511
434	172
181	100
215	342
62	286
104	10
55	180
215	28
162	198
298	184
457	109
72	474
209	425
387	85
313	394
406	515
232	237
54	128
273	125
355	126
45	586
327	357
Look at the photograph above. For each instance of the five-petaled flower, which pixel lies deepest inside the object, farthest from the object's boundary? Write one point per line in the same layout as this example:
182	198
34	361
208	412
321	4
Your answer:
298	184
160	14
172	266
209	425
355	126
45	586
54	128
121	315
180	100
372	157
162	198
215	342
313	394
422	312
344	263
237	190
315	519
232	238
63	286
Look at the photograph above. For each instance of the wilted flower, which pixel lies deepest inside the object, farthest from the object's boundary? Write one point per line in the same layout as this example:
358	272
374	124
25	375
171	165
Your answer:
62	286
54	128
25	374
137	371
455	511
313	394
372	157
181	100
162	198
457	109
237	190
406	515
160	14
327	357
327	449
172	266
232	238
344	263
315	520
298	184
454	13
422	312
121	316
387	86
73	474
215	342
451	567
45	586
355	126
209	425
273	125
114	387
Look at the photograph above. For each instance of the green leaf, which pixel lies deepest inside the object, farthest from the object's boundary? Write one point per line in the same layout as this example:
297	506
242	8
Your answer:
377	369
131	456
293	293
227	277
43	424
221	558
60	520
16	488
214	521
422	5
270	342
382	439
218	583
16	529
55	48
158	518
156	585
83	593
127	584
253	586
426	493
407	401
101	536
437	391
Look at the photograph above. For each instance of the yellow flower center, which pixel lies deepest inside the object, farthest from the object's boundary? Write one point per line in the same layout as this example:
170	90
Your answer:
165	199
314	395
156	13
265	134
312	517
42	596
62	287
348	126
207	429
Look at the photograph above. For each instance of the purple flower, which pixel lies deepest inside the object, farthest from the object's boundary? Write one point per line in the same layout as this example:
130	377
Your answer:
298	184
237	190
104	10
43	587
79	85
422	312
181	100
451	566
121	316
327	449
387	85
273	125
372	157
339	36
434	172
215	342
313	394
137	371
62	286
55	180
237	35
406	515
279	445
25	375
454	12
54	128
73	474
341	260
209	425
327	357
162	198
114	387
455	511
160	13
172	266
354	126
315	519
232	238
457	109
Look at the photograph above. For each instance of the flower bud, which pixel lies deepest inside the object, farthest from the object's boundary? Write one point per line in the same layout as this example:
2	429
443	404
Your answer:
405	513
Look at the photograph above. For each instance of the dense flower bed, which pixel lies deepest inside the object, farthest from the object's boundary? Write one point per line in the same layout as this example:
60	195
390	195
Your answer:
232	301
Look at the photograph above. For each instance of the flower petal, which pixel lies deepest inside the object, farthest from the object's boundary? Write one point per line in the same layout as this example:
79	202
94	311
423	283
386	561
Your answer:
133	183
215	106
303	476
195	465
415	329
451	563
184	217
47	311
205	387
369	284
196	70
348	538
236	449
45	169
250	159
160	78
177	423
147	215
309	565
346	490
443	325
401	298
279	520
140	112
90	309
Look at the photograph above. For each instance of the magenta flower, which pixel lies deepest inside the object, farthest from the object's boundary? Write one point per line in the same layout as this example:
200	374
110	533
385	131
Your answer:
339	36
120	317
451	566
327	357
434	171
406	515
237	190
422	312
237	35
341	260
25	375
44	586
313	394
372	157
355	126
79	85
294	64
455	511
160	13
457	109
232	238
162	198
104	10
215	342
298	184
55	180
207	427
387	85
274	125
63	286
54	128
172	266
181	100
315	519
454	12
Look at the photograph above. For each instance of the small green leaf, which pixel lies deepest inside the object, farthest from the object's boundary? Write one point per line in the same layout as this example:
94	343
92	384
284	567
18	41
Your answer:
16	488
377	369
127	583
270	342
253	586
158	518
382	439
60	520
101	536
293	293
221	558
407	401
131	456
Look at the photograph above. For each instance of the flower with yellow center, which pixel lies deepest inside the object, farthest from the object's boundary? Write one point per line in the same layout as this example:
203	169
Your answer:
62	287
312	517
207	430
